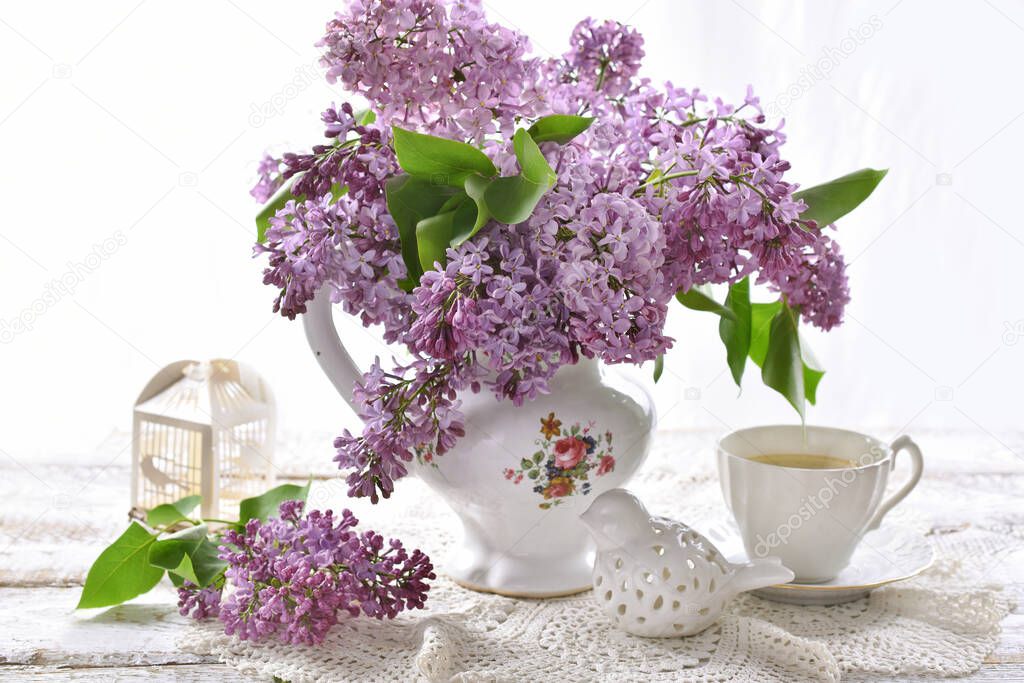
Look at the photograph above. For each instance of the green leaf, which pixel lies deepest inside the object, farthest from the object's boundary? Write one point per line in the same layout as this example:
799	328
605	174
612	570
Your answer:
813	373
512	199
168	552
659	367
184	570
699	298
168	513
265	506
410	200
525	464
760	324
275	204
559	128
453	203
122	571
188	554
476	186
365	117
761	318
532	164
439	160
338	191
533	474
435	234
201	566
735	331
206	564
828	202
783	365
538	457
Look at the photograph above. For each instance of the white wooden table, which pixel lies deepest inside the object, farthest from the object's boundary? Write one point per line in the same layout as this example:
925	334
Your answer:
56	516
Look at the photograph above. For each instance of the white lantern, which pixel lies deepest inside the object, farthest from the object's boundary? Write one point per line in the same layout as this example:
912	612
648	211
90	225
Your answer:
203	428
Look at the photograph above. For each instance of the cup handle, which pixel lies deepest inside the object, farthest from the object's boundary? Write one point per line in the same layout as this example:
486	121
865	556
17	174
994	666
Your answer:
903	443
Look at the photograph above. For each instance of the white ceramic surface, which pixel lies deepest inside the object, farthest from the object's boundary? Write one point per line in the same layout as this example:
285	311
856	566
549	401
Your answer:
812	519
656	577
521	477
886	555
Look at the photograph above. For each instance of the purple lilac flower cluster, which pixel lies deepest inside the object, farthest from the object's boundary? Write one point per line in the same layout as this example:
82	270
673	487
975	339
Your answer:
665	190
292	576
399	415
199	603
435	64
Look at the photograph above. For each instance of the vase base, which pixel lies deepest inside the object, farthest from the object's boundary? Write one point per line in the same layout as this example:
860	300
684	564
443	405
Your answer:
528	594
484	569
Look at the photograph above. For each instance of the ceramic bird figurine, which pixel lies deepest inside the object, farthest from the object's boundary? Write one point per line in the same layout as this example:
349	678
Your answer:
657	577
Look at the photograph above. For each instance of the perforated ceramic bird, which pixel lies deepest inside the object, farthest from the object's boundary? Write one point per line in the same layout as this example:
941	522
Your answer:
657	577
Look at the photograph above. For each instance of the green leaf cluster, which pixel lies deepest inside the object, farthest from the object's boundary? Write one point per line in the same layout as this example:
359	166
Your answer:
172	543
450	190
768	333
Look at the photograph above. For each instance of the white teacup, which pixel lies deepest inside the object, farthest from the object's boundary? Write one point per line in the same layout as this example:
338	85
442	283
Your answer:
812	519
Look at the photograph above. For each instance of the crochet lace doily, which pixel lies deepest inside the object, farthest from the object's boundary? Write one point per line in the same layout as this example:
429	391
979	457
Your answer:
943	622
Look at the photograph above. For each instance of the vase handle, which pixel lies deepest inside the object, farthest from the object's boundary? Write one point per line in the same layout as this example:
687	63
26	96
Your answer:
330	353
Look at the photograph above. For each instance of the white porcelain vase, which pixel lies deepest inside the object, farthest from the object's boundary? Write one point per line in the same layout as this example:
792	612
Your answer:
521	477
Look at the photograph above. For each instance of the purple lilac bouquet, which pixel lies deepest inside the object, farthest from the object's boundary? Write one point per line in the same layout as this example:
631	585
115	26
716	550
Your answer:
502	215
291	576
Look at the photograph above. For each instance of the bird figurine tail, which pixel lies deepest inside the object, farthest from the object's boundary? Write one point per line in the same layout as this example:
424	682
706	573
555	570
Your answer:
761	573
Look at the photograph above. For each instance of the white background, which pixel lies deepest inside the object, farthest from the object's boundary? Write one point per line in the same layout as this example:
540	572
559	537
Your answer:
134	121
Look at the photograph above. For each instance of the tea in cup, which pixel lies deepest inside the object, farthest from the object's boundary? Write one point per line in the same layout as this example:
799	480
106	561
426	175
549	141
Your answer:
808	495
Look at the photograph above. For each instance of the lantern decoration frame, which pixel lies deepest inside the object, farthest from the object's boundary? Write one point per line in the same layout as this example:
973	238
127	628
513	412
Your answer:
203	428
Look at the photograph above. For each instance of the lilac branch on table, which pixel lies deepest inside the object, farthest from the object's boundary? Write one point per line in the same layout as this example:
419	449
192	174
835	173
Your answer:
291	577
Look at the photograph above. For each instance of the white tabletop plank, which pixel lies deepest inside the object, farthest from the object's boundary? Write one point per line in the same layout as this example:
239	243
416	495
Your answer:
41	627
193	673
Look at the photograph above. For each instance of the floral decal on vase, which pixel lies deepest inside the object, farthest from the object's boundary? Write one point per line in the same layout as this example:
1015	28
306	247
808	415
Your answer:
565	460
425	456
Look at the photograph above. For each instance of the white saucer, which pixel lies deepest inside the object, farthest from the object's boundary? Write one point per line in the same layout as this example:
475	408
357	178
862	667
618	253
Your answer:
892	553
